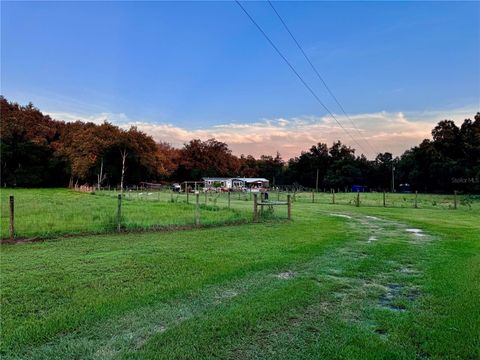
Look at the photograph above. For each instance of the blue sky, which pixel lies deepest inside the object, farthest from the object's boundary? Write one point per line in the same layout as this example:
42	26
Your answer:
202	69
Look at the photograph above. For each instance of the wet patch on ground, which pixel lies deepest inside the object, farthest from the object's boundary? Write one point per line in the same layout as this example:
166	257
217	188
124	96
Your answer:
416	232
388	299
285	275
342	216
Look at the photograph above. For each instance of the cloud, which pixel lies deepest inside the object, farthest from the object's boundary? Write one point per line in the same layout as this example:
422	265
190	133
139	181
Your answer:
383	131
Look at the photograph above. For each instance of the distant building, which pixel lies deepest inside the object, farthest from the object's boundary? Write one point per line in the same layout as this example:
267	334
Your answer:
359	188
235	183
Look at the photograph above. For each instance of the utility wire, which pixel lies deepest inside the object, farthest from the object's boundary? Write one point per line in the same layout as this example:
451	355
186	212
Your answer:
320	77
297	74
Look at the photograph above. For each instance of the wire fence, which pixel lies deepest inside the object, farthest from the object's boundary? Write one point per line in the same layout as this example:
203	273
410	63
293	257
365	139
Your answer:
44	213
378	199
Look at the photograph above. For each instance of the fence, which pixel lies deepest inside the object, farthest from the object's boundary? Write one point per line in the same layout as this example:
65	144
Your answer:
378	199
55	212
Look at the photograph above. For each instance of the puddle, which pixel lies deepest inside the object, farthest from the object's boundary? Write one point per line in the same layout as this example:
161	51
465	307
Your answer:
342	216
386	300
416	232
285	275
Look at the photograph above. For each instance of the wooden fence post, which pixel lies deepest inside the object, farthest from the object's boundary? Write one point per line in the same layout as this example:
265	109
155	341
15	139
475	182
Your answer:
358	198
197	209
12	217
333	196
119	213
416	196
255	208
186	189
289	208
455	199
229	194
384	203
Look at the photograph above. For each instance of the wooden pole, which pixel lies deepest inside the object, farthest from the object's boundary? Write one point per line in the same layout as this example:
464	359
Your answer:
455	199
384	202
255	208
197	209
12	217
119	213
229	194
289	208
416	196
358	198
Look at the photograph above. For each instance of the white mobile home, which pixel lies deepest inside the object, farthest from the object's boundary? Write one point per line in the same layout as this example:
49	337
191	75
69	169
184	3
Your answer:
235	183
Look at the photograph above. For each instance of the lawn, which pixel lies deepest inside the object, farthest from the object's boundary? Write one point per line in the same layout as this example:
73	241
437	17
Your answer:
338	281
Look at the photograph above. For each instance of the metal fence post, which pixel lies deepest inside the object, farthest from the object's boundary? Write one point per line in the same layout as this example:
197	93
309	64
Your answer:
358	198
455	199
12	217
229	194
255	208
416	196
384	203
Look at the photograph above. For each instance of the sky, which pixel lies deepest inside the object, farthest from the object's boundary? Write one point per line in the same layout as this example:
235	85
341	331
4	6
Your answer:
183	70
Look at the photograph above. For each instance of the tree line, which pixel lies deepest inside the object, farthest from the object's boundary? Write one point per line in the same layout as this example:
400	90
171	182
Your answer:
37	151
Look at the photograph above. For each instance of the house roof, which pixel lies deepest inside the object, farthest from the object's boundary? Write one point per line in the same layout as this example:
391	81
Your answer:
252	180
216	178
246	180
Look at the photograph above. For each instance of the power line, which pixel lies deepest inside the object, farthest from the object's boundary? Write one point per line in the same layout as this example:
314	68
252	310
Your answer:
320	77
296	73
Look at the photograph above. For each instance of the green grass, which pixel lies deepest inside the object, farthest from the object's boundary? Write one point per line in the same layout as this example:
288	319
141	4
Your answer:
318	287
53	212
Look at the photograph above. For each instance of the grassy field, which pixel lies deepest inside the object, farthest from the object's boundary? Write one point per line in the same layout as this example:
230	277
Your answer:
338	281
54	212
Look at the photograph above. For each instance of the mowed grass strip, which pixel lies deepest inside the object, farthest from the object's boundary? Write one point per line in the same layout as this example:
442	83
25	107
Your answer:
313	288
